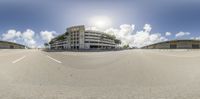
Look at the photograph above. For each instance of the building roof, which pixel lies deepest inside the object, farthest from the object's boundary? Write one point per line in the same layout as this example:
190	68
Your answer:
178	40
96	31
11	43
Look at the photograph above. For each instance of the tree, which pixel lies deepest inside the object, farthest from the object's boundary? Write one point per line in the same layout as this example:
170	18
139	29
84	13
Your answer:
117	41
62	37
46	45
126	46
107	36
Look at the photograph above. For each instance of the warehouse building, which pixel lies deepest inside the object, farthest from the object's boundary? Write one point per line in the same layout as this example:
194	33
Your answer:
175	44
77	37
10	45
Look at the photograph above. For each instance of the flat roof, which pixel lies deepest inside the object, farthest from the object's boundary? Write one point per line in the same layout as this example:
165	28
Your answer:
11	43
179	40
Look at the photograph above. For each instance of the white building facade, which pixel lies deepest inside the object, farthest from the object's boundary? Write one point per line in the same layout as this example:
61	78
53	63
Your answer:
77	38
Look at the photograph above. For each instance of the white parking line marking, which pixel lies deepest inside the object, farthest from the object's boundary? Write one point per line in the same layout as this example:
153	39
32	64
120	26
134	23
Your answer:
17	60
54	59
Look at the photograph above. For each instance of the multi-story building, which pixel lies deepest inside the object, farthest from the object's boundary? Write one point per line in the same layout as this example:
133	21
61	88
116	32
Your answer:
77	37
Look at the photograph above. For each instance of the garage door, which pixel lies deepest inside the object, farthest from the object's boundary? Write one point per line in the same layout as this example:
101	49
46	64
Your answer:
195	46
173	46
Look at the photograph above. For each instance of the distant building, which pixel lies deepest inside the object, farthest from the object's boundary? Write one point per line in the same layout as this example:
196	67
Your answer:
77	37
175	44
10	45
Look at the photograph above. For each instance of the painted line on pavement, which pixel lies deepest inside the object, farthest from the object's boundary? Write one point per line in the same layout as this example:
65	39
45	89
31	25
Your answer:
17	60
54	59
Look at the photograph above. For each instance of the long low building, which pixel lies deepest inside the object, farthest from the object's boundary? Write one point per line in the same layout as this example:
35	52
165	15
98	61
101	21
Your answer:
175	44
10	45
77	37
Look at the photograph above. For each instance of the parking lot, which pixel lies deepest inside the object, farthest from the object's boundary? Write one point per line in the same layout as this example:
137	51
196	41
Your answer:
128	74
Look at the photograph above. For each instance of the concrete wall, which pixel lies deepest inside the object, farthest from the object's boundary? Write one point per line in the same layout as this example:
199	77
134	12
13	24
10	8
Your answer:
163	46
82	38
5	45
182	44
79	31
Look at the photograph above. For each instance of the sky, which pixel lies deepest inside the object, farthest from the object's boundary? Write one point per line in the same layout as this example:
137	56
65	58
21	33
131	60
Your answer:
135	22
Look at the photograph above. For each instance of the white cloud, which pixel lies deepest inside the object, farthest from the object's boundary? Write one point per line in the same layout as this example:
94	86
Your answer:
168	33
28	34
143	38
29	38
40	46
47	35
124	33
147	27
11	34
136	39
195	38
30	43
127	29
181	34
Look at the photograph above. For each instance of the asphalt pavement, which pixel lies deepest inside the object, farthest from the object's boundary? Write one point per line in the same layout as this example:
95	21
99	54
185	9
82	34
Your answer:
129	74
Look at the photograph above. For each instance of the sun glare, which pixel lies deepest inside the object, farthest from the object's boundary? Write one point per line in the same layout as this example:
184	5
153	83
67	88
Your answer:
100	22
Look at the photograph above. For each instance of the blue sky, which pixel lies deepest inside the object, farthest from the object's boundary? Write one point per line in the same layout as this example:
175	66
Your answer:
56	15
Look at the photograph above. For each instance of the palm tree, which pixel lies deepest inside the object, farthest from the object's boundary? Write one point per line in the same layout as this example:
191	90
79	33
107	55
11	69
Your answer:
46	45
117	41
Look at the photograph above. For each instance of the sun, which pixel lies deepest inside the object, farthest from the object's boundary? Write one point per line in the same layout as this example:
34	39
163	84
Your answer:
100	22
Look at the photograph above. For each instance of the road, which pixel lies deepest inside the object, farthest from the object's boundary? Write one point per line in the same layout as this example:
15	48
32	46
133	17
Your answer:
130	74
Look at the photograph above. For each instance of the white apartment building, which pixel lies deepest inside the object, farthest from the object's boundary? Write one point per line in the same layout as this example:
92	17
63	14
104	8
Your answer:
77	37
